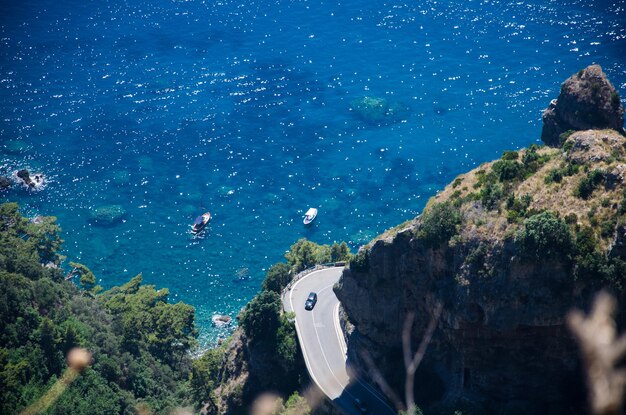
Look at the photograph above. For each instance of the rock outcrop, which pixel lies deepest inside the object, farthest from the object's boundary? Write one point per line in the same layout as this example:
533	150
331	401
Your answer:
32	182
587	100
506	250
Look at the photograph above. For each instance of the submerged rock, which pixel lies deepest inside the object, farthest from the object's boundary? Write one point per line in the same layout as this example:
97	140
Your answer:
15	147
378	111
220	320
587	100
5	182
108	215
121	177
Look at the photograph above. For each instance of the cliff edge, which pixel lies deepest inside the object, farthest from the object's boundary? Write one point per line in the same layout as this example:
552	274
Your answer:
506	250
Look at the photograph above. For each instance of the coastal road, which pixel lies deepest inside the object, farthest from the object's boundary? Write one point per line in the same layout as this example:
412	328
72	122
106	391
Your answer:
324	347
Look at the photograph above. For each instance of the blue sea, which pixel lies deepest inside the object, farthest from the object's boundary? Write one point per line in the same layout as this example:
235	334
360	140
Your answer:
171	108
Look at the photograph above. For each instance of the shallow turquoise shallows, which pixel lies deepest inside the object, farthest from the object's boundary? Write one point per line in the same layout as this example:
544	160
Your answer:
243	108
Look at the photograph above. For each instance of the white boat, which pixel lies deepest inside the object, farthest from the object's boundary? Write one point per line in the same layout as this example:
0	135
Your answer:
200	222
310	215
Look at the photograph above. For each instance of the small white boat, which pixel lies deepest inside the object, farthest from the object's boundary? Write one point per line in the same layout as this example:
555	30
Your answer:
200	222
310	215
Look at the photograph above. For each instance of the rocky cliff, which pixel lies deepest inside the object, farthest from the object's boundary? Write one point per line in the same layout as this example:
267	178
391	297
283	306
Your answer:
505	250
587	100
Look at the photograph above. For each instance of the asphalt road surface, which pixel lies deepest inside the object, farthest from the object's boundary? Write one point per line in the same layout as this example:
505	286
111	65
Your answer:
324	346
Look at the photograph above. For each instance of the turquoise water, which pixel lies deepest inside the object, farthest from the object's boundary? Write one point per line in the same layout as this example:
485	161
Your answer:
171	108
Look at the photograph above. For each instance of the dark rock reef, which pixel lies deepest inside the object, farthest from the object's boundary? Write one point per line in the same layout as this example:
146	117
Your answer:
587	100
506	250
35	181
5	182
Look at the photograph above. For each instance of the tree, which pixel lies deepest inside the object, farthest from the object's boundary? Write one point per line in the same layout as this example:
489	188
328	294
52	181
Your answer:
302	255
174	330
339	252
277	278
261	317
87	278
544	236
48	338
205	373
286	342
439	224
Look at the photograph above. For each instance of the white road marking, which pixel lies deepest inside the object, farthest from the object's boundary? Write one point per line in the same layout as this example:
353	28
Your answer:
342	340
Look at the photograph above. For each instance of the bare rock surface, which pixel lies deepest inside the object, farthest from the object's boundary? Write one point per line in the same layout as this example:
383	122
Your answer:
587	100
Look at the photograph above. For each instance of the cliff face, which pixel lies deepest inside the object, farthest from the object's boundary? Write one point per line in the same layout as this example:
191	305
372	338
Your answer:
507	250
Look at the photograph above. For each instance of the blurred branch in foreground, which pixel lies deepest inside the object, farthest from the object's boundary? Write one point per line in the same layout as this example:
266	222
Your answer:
77	360
602	353
411	361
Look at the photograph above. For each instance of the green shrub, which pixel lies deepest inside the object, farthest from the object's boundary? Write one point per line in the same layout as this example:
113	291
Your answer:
457	182
512	216
507	170
296	405
567	146
360	262
571	219
490	195
510	155
517	207
530	156
564	136
570	169
554	176
439	224
544	235
608	227
589	183
585	241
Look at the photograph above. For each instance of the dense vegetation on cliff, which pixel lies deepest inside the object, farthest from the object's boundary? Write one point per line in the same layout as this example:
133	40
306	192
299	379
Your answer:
139	341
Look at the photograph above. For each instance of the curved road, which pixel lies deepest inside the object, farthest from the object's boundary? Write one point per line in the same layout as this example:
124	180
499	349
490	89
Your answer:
323	344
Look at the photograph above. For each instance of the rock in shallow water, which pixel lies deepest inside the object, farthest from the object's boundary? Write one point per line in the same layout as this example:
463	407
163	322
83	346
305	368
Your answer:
220	320
34	182
15	147
108	215
379	111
